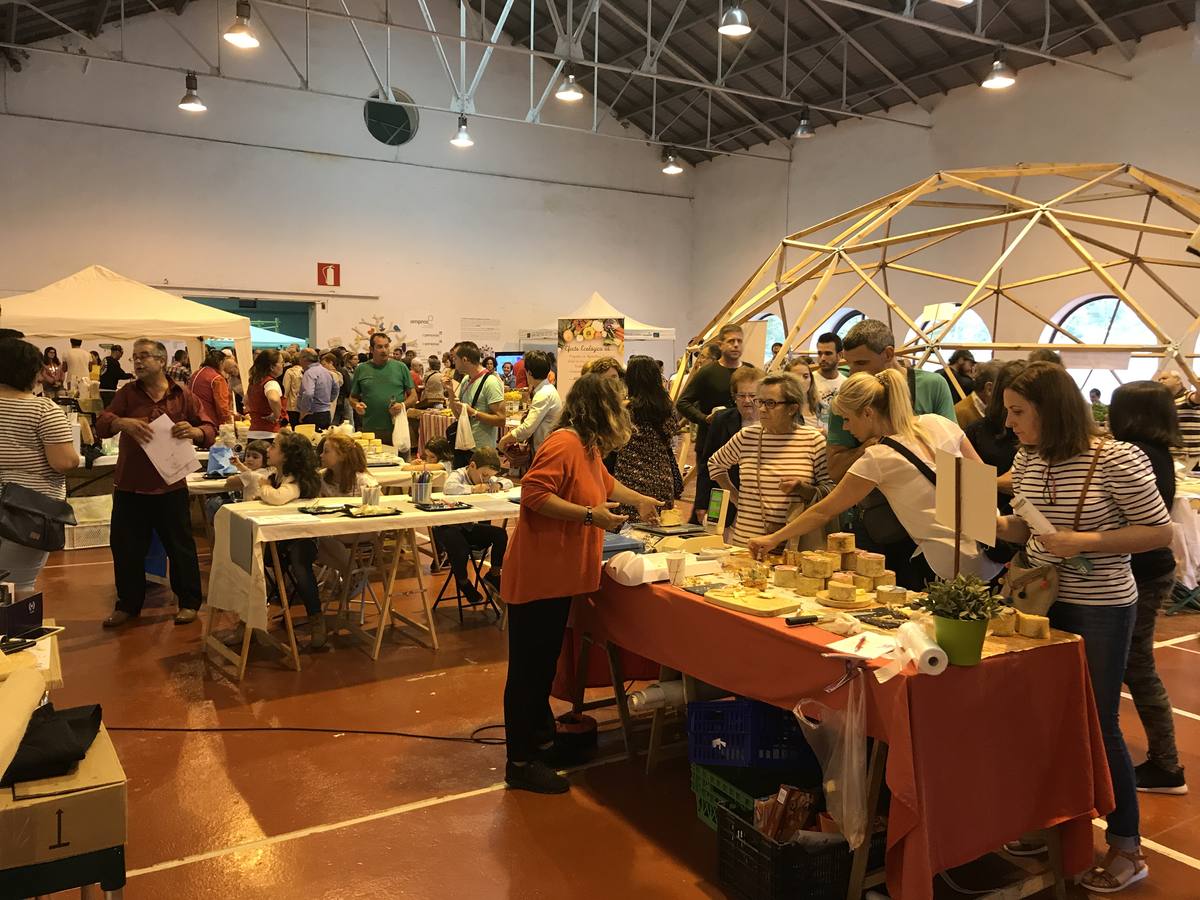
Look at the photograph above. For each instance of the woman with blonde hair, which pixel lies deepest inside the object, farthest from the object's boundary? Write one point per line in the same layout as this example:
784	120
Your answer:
898	461
567	503
810	412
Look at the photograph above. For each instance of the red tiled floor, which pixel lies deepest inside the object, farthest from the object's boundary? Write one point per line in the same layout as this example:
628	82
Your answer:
618	833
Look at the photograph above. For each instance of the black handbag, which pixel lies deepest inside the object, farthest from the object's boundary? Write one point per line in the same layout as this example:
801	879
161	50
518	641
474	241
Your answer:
875	515
32	519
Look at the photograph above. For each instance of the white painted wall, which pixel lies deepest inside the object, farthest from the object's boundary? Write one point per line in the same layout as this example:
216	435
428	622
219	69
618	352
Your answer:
249	196
1060	114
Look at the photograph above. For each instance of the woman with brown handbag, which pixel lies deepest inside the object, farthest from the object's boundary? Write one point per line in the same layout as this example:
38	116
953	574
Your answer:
1102	499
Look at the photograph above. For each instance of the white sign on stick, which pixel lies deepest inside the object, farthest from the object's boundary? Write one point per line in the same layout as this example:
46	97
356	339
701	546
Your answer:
977	506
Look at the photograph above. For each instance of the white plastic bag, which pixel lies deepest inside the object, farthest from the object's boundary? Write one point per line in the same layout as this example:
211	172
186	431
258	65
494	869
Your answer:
464	437
401	438
839	739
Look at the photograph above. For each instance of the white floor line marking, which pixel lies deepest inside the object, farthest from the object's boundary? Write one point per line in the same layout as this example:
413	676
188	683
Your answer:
1161	849
1178	712
1182	639
102	562
345	823
1184	649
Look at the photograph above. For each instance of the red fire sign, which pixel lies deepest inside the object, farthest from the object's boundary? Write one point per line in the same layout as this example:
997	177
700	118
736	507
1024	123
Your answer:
329	274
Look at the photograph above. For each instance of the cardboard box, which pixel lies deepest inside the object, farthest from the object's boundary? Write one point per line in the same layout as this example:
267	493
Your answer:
54	818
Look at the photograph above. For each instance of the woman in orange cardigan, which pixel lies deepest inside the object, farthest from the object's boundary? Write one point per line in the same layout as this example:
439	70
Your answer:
567	502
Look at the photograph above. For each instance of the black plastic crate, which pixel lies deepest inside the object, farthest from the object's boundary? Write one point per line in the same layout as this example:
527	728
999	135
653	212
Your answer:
741	732
751	866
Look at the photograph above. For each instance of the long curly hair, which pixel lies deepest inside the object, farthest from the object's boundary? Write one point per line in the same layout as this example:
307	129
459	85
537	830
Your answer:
353	460
300	462
594	410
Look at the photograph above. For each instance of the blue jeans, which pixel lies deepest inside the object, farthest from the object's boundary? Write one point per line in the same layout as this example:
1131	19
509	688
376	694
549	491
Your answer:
1106	633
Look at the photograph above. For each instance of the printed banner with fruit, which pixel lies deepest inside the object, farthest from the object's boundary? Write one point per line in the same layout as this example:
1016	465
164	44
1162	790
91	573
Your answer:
580	341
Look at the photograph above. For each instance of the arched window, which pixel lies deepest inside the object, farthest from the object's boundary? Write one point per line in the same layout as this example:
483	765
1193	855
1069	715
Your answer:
1103	319
839	323
775	333
969	329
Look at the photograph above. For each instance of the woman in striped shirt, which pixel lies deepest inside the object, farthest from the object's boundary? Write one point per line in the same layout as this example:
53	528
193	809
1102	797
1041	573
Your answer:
779	462
1100	521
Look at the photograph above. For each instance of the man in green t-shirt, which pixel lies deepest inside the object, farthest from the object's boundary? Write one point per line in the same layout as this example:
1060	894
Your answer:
481	393
870	347
378	388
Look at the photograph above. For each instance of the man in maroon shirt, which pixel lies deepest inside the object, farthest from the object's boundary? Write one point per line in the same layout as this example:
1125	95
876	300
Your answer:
142	502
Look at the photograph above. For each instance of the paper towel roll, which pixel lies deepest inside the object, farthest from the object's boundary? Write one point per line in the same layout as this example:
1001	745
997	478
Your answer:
922	649
20	695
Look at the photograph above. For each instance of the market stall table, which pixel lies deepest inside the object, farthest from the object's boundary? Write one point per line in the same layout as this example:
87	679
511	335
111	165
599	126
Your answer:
244	532
976	756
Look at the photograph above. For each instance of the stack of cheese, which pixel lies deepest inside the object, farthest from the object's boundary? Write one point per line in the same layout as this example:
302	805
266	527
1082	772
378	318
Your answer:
839	569
371	445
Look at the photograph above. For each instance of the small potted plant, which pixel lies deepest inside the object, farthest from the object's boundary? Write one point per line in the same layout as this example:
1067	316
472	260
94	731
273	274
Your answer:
961	608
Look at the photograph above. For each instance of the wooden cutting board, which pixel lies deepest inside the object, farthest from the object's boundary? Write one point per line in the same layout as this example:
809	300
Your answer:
752	602
863	600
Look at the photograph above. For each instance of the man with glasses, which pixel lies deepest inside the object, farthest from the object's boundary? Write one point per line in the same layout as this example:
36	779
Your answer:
143	503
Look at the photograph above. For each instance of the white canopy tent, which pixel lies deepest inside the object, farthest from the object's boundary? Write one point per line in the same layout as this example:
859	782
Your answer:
599	308
98	304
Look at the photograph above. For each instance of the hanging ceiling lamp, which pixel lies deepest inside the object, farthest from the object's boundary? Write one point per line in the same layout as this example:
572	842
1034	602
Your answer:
569	91
239	33
734	21
1001	75
191	101
462	138
804	130
671	164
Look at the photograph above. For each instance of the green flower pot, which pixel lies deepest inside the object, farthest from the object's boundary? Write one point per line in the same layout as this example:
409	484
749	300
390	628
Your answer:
962	640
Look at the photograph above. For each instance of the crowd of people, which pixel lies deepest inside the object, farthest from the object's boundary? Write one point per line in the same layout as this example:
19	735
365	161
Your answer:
848	438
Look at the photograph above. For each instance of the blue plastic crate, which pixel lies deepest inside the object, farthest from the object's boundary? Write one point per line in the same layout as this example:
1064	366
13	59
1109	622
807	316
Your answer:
741	732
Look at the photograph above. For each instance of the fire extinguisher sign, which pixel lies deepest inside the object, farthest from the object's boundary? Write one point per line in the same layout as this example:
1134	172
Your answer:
329	274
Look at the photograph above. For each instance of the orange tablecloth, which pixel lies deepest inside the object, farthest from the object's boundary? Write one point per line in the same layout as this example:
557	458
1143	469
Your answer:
976	756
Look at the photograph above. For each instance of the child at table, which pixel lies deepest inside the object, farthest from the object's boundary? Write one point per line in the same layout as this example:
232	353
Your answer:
256	460
345	473
438	454
479	476
292	475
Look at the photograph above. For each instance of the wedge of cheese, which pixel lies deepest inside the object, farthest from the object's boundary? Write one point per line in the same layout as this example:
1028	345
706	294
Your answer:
1004	623
841	591
1036	627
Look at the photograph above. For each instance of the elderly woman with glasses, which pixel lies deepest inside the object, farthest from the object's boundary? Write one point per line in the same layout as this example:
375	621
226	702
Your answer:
782	464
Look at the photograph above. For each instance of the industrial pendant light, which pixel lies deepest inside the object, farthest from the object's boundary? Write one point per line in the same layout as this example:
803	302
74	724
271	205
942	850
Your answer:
804	130
462	139
191	101
671	164
1001	75
569	91
239	33
734	21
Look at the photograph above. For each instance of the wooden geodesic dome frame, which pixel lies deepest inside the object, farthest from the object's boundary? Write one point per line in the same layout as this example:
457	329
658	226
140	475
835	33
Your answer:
1059	230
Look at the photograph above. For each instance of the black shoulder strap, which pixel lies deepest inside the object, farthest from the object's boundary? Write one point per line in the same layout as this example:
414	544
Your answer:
921	465
479	390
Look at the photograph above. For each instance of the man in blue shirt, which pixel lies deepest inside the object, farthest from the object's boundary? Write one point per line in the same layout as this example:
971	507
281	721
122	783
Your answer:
317	391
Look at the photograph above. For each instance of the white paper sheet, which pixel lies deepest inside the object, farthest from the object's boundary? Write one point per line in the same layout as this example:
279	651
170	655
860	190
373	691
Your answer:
174	458
868	645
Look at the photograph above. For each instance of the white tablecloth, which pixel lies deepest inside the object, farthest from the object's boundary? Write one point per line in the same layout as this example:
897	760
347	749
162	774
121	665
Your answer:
237	580
387	476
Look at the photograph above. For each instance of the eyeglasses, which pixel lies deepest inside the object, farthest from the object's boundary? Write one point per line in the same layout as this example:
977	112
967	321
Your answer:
771	404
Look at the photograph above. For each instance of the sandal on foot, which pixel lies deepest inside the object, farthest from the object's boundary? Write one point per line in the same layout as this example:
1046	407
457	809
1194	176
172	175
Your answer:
1026	847
1117	871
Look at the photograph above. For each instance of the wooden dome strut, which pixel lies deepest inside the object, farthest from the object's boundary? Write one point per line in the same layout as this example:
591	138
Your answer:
871	244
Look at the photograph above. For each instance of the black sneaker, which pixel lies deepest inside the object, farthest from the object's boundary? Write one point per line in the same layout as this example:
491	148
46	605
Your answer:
470	595
536	777
1154	779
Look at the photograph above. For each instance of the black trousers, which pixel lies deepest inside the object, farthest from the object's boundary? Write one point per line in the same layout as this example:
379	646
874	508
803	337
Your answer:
320	419
459	540
293	417
535	636
134	518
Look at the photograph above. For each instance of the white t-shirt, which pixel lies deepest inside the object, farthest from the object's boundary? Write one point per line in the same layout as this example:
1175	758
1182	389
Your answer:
913	497
827	388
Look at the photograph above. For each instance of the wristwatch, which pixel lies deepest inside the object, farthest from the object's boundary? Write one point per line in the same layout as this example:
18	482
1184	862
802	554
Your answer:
587	516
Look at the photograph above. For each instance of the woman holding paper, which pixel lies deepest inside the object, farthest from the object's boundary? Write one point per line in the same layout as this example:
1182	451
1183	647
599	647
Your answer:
1102	502
901	449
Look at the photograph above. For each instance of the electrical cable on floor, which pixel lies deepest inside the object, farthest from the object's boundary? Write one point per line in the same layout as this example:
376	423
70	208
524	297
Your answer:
165	729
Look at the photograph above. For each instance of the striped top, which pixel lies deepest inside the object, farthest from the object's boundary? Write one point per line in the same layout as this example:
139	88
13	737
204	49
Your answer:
1189	426
27	425
762	506
1123	492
